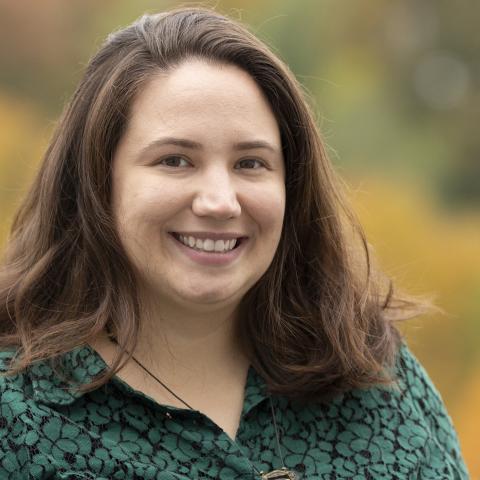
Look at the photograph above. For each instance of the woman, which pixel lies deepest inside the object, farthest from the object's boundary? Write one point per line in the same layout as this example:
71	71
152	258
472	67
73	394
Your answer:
184	293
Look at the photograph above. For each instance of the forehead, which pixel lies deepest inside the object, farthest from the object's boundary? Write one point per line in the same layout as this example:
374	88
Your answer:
202	98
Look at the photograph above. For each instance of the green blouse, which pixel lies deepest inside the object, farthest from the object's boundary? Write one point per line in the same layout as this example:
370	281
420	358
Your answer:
116	432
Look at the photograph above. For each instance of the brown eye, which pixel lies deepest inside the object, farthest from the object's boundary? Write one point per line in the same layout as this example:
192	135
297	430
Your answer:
173	161
250	163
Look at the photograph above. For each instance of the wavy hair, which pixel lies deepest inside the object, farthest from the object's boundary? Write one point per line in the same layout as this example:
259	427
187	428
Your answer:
319	322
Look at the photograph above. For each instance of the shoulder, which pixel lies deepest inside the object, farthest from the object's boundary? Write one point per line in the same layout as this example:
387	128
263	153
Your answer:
26	427
402	430
10	383
417	397
16	415
412	413
415	387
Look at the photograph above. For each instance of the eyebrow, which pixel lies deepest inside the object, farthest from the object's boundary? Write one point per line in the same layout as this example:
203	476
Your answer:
192	145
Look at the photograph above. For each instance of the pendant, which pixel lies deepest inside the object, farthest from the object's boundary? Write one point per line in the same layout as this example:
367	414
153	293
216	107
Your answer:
282	474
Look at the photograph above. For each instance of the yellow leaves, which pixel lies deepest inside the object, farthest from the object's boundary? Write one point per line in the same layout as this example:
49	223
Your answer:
22	141
421	245
467	415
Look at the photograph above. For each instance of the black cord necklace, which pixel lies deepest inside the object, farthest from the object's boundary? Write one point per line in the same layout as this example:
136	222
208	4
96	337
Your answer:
279	474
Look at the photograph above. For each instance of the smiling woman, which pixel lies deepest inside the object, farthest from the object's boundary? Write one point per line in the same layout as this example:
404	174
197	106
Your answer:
194	182
186	293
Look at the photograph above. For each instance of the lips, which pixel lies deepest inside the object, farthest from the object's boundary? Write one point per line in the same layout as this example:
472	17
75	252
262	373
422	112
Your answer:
208	242
210	249
203	235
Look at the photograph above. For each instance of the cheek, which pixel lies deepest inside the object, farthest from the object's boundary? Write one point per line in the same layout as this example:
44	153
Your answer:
143	203
268	208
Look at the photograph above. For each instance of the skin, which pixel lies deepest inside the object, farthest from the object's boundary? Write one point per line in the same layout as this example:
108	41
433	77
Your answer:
187	334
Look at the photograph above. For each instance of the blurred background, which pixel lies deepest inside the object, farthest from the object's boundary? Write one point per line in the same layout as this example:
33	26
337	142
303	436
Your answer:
395	84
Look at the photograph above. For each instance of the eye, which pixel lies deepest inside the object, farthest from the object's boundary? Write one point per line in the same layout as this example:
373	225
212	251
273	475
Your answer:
174	161
250	163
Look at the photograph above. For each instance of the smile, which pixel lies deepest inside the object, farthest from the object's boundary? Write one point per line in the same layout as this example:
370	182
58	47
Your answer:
209	245
211	249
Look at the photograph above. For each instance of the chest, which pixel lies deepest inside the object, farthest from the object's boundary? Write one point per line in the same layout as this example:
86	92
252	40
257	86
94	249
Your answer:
220	402
222	409
158	439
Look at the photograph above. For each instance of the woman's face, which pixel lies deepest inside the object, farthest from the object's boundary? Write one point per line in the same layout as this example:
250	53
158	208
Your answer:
198	185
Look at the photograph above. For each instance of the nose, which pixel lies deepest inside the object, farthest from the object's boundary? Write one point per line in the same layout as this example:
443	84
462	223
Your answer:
216	197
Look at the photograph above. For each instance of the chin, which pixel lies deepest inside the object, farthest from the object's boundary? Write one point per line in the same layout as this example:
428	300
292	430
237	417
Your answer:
212	296
207	298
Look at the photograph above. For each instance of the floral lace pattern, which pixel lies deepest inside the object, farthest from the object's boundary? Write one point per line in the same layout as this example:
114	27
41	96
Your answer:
118	433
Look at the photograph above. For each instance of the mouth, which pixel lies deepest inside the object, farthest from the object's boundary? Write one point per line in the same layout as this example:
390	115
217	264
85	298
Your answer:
209	243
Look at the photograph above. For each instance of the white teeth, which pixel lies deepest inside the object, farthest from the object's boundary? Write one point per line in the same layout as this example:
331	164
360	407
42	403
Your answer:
208	245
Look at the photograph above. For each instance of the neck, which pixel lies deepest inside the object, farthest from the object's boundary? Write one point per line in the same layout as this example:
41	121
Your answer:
189	340
187	345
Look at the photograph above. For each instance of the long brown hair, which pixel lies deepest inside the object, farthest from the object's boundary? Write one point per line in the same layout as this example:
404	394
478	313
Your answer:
321	319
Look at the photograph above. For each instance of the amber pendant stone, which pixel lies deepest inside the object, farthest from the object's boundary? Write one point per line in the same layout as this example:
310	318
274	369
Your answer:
282	474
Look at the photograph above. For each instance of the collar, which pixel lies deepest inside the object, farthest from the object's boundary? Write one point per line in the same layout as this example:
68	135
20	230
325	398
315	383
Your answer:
82	364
